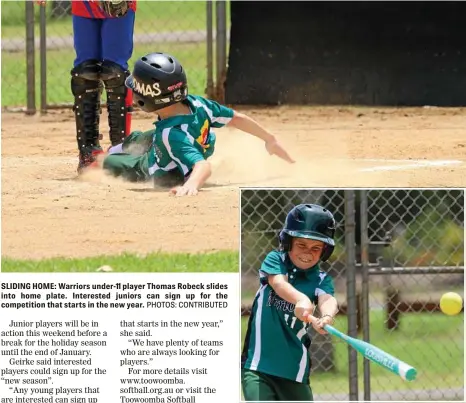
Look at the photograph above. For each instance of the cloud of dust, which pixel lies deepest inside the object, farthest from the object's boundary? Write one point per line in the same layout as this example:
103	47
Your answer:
98	175
242	160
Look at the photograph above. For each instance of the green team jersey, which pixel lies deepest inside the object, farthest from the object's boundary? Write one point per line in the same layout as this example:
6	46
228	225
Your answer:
182	141
276	341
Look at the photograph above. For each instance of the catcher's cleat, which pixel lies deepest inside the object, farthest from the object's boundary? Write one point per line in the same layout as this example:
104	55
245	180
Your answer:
88	159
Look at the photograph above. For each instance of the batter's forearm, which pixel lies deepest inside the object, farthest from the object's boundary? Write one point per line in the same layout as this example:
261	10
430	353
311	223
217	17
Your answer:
328	306
201	172
287	292
249	125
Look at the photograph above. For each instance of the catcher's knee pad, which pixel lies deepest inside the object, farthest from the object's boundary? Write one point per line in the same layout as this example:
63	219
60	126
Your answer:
86	88
119	101
87	70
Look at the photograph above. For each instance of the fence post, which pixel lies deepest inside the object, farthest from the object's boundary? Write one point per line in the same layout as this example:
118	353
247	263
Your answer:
221	42
350	245
43	61
30	60
392	304
404	230
210	50
365	289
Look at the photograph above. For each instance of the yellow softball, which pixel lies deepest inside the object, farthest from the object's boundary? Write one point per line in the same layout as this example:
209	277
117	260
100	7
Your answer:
451	303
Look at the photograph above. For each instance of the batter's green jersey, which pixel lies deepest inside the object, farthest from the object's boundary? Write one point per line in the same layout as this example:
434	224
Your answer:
275	342
182	141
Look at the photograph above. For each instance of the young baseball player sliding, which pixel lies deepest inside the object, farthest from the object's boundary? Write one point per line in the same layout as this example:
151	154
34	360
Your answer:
275	360
176	151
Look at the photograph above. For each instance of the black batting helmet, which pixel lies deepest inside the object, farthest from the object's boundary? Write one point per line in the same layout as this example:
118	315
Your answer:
158	80
309	221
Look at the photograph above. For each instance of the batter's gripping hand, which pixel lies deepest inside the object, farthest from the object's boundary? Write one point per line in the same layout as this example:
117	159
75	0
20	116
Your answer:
275	148
319	323
303	309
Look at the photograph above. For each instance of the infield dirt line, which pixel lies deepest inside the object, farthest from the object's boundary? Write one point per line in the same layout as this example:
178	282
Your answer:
412	165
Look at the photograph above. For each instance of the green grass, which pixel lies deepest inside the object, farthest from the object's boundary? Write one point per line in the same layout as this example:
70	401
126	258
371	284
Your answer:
59	63
157	262
151	16
433	344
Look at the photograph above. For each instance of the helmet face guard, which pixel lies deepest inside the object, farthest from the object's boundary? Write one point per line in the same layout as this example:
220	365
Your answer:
158	80
309	221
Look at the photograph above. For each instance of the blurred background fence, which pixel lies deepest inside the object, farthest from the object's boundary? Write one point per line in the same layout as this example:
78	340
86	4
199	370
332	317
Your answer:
397	252
360	53
38	53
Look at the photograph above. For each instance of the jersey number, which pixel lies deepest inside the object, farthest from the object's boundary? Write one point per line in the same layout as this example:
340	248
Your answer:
293	320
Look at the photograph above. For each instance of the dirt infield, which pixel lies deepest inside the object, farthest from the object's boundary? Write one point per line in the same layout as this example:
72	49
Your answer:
48	211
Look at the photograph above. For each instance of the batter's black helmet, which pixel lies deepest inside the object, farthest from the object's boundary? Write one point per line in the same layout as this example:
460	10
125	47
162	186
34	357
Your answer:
309	221
158	80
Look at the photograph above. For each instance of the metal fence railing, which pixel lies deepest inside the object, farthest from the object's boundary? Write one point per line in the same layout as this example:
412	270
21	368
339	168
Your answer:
397	252
38	53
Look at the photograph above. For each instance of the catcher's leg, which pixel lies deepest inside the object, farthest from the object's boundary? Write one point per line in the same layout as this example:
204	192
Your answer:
86	39
86	88
119	101
117	39
117	48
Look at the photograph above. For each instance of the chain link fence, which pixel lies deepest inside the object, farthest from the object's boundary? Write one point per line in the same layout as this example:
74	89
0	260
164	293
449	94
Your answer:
419	237
405	249
263	213
38	52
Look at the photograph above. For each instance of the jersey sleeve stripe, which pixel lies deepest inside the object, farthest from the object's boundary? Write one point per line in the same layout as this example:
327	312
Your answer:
185	129
320	292
221	120
213	119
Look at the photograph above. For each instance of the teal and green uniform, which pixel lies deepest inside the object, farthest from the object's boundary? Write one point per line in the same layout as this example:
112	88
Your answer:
176	143
277	342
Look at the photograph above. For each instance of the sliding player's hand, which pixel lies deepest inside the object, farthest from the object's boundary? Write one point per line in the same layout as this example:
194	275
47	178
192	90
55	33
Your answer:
185	190
275	148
